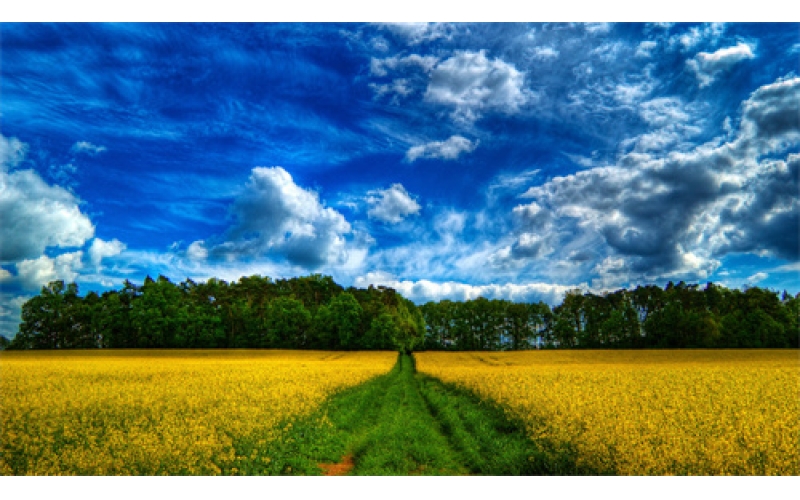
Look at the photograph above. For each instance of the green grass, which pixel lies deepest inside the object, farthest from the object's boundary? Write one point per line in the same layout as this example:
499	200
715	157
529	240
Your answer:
405	423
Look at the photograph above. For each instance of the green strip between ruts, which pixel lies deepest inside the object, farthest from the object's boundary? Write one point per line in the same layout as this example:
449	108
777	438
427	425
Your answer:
406	423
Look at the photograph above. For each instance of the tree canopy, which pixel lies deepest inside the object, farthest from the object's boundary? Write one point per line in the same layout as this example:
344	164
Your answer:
314	312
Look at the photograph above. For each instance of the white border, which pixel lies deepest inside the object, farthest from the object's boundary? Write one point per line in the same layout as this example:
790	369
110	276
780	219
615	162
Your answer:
403	10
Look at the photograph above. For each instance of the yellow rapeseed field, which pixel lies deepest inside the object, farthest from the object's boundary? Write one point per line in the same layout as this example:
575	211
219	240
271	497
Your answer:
159	412
647	412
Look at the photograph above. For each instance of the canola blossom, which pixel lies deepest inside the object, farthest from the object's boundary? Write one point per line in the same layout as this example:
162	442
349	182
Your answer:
160	412
693	412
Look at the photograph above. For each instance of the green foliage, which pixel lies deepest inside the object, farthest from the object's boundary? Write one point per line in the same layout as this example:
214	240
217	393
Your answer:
313	312
677	316
345	319
288	322
404	423
383	333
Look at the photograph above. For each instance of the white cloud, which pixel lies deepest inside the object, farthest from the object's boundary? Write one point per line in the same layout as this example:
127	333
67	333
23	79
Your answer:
399	87
425	290
597	28
35	215
381	67
450	149
663	111
276	216
707	67
380	44
472	84
391	205
449	224
101	249
513	183
582	161
545	53
645	49
197	251
34	273
609	51
674	123
416	33
87	148
757	277
710	32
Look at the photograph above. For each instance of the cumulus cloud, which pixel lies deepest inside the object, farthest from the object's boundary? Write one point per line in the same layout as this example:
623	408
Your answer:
534	238
472	84
450	149
101	249
422	291
34	273
708	66
770	120
764	215
36	215
391	205
677	215
276	216
197	251
87	148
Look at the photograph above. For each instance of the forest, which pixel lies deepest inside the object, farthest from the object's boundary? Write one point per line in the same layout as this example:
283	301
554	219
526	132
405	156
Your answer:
314	312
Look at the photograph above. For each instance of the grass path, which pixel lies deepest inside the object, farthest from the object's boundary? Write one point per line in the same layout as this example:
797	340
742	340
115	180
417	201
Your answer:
405	423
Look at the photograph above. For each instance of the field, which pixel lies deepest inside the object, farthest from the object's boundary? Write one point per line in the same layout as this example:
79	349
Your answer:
646	412
254	412
160	412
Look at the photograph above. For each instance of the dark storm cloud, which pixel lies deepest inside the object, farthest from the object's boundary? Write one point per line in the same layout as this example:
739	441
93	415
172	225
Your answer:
767	214
680	213
770	117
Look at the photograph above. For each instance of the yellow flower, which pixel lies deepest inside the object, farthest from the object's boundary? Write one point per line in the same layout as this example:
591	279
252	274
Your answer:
698	412
158	412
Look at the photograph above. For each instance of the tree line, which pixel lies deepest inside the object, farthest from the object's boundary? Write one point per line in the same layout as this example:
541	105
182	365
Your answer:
314	312
311	312
677	316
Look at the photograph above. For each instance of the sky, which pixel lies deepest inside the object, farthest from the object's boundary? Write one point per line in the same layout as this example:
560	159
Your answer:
504	160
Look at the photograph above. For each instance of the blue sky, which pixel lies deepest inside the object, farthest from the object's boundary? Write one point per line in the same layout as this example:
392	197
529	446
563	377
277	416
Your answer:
447	160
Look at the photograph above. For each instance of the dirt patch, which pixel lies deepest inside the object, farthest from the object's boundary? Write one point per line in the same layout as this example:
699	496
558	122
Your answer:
339	469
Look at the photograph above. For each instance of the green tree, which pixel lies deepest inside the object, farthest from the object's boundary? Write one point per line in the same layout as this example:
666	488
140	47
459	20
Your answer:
345	319
288	322
382	334
323	331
